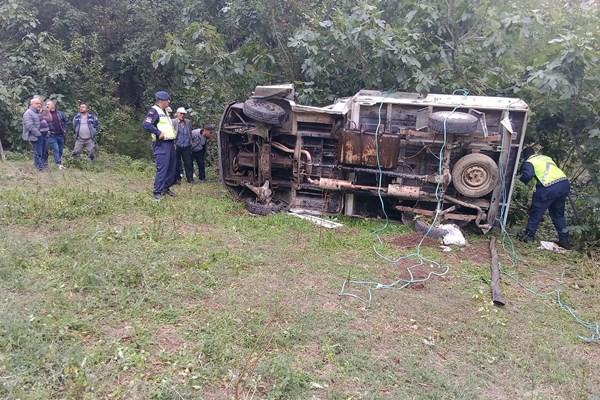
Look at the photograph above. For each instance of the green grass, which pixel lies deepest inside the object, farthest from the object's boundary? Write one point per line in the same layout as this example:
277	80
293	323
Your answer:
106	294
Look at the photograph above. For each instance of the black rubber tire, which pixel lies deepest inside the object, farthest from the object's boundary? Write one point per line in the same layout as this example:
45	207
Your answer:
475	175
426	229
264	111
263	209
456	122
258	209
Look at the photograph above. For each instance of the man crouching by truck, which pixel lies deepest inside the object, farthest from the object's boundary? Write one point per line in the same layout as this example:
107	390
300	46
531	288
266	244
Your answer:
550	194
158	123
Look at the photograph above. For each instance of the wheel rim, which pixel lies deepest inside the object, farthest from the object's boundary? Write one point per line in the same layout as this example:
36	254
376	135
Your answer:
475	177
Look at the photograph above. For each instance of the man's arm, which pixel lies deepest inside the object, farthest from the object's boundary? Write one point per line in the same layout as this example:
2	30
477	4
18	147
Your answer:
64	120
150	123
527	172
30	125
96	123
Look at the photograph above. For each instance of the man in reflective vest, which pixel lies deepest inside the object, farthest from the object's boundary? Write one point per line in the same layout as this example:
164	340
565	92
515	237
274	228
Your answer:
550	194
158	123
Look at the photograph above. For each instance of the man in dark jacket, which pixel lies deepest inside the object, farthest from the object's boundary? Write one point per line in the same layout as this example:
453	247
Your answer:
160	127
199	137
550	194
58	129
183	149
32	134
86	126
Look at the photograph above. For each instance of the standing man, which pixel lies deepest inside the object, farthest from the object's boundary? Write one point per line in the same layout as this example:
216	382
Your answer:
160	126
58	129
199	137
32	134
183	145
86	126
550	194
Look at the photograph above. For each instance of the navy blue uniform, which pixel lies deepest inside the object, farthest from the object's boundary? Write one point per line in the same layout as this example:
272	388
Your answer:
551	198
164	155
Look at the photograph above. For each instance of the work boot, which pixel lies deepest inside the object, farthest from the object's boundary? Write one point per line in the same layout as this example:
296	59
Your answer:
524	236
563	241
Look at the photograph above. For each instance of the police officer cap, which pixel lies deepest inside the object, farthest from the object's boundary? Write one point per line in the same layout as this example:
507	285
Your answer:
162	95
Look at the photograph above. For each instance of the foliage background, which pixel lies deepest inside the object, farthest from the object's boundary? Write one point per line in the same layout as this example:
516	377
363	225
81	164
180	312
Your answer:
114	54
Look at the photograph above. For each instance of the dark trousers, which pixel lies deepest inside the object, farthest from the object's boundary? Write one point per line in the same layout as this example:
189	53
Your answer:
551	198
198	157
164	158
57	143
184	154
40	154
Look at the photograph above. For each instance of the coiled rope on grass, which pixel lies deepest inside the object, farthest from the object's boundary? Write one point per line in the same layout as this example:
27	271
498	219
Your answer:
437	268
593	328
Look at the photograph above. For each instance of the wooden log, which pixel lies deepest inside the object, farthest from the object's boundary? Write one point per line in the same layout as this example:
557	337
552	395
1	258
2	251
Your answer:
495	272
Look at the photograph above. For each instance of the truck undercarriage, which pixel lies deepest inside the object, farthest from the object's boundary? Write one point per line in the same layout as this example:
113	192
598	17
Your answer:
445	155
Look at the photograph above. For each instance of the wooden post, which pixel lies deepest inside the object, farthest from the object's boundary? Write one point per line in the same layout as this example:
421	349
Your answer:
495	281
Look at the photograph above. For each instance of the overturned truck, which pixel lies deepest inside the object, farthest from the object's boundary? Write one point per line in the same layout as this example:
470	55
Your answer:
453	156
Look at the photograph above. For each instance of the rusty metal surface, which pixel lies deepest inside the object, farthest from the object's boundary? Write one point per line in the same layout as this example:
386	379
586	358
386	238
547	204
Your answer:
360	148
246	159
281	161
430	213
406	192
264	162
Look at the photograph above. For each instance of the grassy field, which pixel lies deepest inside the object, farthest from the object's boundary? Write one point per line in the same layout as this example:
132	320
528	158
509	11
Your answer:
106	294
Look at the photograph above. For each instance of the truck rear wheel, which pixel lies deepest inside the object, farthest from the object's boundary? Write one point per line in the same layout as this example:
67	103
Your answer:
475	175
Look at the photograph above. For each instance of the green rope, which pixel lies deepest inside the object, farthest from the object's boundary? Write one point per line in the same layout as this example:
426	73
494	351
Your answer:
417	255
508	245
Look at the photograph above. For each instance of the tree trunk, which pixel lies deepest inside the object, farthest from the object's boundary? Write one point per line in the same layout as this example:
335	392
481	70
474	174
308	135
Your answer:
2	156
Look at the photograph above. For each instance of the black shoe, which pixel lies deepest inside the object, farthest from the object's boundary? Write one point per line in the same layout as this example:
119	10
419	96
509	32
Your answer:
563	241
525	237
169	192
566	246
157	197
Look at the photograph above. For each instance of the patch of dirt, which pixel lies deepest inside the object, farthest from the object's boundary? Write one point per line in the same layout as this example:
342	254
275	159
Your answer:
130	219
476	253
479	253
122	332
43	232
216	393
412	240
167	339
190	229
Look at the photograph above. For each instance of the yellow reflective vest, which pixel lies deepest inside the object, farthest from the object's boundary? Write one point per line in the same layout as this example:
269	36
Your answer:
546	171
165	125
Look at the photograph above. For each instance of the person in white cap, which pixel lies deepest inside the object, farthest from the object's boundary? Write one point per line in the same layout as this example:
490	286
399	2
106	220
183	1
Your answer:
183	146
